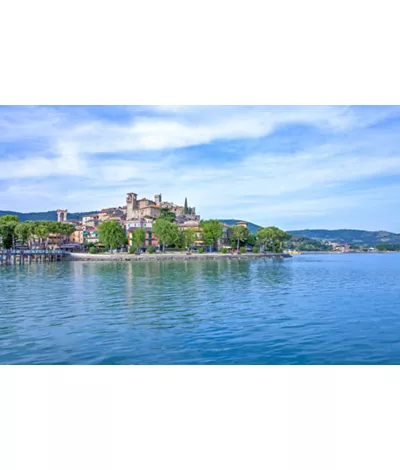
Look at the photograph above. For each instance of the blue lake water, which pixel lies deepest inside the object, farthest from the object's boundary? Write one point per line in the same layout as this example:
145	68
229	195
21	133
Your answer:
311	309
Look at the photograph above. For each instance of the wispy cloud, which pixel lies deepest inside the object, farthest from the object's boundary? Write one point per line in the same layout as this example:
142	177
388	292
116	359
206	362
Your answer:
89	157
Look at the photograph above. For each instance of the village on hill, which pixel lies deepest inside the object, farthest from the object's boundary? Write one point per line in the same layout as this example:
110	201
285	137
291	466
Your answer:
137	214
141	224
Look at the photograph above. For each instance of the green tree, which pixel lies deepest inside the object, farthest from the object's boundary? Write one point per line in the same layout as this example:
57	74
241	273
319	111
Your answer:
9	218
239	234
138	238
8	224
252	239
265	236
111	234
42	231
185	207
212	231
166	231
24	231
272	237
165	213
187	238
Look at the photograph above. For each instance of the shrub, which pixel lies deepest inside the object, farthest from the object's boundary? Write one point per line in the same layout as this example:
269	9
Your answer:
151	249
242	250
200	250
92	250
224	250
132	250
255	249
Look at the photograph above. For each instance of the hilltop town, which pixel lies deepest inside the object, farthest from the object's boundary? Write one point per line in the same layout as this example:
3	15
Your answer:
137	214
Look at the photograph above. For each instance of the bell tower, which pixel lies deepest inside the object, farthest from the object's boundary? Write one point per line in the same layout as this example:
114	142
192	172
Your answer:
62	215
131	205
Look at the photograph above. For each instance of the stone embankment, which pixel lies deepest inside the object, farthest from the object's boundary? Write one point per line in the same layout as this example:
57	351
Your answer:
171	256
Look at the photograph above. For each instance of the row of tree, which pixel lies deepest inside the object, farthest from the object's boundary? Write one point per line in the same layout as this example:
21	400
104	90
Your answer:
269	238
12	231
388	247
113	235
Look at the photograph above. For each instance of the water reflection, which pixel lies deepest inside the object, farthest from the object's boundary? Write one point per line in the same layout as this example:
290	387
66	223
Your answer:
226	312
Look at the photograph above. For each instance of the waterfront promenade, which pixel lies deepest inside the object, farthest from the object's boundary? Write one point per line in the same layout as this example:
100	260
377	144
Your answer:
171	256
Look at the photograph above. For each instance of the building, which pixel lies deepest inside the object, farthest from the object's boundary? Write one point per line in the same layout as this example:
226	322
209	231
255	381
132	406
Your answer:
92	219
224	240
147	224
91	235
150	240
138	209
74	222
62	215
77	236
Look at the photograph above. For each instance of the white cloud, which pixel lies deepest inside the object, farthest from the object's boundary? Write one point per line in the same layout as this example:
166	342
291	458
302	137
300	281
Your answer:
112	159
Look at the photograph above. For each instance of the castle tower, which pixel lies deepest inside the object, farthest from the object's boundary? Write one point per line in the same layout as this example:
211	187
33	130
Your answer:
62	215
131	205
157	199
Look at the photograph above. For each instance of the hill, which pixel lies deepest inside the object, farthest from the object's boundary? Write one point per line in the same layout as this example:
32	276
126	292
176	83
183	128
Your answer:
351	237
252	227
50	215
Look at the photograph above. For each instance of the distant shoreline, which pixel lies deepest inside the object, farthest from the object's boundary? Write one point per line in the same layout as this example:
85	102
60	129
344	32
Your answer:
346	252
172	256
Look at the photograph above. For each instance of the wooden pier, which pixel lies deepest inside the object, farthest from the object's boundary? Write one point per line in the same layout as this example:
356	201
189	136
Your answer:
30	256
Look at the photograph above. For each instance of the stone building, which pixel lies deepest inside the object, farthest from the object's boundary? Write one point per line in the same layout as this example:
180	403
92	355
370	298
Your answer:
138	209
62	215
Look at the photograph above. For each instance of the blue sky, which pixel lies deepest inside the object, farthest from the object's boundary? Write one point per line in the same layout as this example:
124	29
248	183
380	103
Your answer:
291	166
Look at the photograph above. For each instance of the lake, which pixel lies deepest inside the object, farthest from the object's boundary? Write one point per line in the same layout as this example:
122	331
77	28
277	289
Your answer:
311	309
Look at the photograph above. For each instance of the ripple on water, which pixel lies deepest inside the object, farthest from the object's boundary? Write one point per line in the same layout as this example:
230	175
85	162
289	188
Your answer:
314	309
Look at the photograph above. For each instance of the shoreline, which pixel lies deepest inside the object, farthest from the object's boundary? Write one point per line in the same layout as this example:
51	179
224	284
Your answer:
172	257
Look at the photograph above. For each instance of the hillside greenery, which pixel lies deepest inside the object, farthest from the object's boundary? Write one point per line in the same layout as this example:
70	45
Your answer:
306	244
252	227
350	237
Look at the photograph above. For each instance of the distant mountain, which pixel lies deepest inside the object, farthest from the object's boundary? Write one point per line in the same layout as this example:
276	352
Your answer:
50	215
252	227
351	237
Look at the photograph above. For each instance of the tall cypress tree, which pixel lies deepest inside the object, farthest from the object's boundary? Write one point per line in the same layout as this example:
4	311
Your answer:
185	208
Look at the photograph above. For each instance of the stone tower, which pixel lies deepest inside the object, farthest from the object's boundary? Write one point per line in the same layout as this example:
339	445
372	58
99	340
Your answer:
131	205
157	199
62	215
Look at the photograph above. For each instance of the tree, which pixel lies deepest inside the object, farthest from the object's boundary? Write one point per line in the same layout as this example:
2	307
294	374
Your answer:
42	231
111	234
24	231
185	207
239	234
212	231
274	236
165	213
8	224
138	238
187	238
166	231
9	218
252	239
281	236
265	236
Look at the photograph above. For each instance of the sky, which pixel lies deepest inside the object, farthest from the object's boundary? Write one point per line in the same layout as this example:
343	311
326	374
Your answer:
295	167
